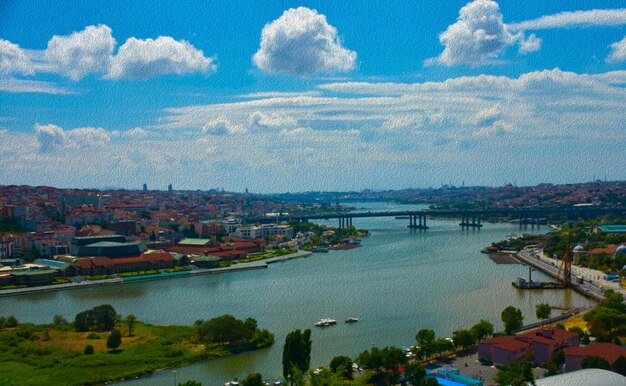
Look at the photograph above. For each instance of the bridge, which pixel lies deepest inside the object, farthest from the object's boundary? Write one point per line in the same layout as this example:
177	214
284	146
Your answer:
469	218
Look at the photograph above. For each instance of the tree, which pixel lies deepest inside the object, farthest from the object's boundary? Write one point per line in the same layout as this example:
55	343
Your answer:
543	311
342	365
429	382
84	320
425	338
595	362
296	353
515	374
463	338
385	362
114	340
59	320
326	377
190	383
254	379
620	365
105	316
512	319
130	322
482	330
88	350
11	321
414	373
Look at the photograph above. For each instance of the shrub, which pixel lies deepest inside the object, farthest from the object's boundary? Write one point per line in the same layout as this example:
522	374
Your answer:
88	350
93	335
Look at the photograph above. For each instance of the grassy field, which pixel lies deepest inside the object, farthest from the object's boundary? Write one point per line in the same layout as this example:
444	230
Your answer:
266	255
53	355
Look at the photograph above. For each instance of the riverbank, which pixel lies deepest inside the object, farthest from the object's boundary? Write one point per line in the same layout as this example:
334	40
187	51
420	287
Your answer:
260	264
56	354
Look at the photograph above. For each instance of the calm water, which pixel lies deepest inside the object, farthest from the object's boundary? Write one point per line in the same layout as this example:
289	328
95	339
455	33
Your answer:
398	282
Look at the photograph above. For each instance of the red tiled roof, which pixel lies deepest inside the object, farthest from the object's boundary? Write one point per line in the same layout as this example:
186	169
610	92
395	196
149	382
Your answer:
541	336
506	342
88	262
608	351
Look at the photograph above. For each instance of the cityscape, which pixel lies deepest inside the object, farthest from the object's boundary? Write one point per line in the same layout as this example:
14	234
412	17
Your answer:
312	193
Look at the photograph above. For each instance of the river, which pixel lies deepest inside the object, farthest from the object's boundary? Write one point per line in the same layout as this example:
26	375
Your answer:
398	282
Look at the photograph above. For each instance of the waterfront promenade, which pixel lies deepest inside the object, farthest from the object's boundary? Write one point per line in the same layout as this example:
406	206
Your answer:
80	283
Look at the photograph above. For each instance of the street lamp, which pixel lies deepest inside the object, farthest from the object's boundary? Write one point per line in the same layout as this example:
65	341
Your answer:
175	379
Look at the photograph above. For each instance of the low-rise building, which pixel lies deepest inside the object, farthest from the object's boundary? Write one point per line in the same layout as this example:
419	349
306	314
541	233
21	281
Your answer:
608	351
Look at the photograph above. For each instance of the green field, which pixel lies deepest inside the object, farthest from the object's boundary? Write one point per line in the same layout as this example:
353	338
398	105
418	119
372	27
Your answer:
53	355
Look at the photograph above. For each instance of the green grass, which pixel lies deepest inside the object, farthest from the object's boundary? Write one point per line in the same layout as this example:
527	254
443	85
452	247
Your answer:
29	359
266	255
138	273
97	277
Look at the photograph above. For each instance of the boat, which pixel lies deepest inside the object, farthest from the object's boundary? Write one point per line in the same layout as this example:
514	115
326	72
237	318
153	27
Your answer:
325	322
319	250
352	320
234	382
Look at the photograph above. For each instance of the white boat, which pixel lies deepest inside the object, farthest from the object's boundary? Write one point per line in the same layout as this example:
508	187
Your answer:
352	320
325	322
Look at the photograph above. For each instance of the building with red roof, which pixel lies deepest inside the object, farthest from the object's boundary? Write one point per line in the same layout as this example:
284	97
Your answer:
543	344
609	351
504	349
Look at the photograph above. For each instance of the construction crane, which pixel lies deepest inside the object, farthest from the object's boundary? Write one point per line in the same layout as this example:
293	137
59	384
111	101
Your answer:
566	265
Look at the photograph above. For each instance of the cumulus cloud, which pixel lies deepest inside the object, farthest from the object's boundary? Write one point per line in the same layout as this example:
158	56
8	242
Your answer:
142	59
13	59
87	137
222	126
301	42
478	36
487	117
530	44
594	17
50	137
258	120
618	52
82	53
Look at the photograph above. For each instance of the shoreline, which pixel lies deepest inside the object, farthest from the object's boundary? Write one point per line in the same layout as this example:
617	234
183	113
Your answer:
550	271
261	264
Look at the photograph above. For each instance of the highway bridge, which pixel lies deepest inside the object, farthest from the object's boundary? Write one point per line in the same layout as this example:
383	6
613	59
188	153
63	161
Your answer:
469	218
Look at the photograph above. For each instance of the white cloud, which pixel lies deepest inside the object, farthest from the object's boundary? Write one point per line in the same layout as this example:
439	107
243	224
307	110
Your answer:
87	137
142	59
594	17
222	126
260	121
13	59
488	116
478	36
301	42
135	133
32	86
530	44
50	137
82	53
618	52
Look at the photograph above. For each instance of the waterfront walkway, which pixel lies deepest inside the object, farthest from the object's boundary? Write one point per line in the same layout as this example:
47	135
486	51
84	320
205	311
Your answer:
81	283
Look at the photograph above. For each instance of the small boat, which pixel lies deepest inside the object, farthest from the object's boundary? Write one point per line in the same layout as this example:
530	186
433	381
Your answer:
352	320
325	322
234	382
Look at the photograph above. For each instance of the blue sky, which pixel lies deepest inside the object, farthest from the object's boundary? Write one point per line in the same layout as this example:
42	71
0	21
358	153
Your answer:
312	95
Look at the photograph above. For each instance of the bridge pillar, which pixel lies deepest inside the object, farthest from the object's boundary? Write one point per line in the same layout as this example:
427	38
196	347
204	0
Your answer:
350	221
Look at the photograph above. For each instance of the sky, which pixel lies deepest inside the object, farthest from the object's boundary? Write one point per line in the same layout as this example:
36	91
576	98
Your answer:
278	96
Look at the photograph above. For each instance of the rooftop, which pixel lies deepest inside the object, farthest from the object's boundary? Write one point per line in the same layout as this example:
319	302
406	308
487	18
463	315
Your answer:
613	228
194	242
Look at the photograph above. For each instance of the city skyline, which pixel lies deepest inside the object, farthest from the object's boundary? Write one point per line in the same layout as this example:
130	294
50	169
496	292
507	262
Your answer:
297	96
